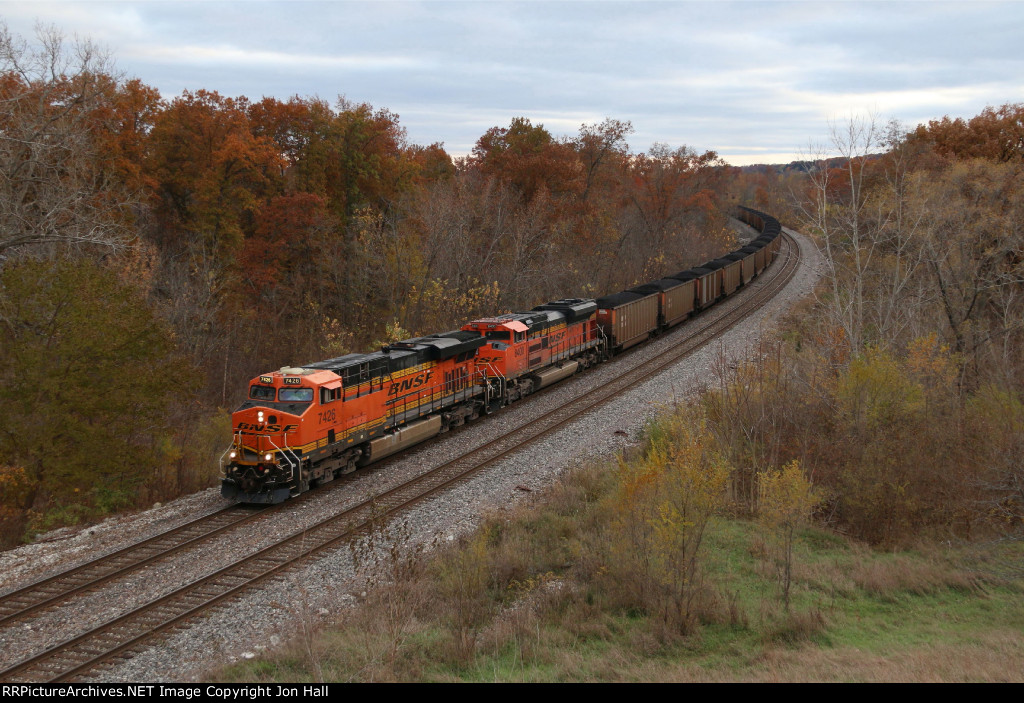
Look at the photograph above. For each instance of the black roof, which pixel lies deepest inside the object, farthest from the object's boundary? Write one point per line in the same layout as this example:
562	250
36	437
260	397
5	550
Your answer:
573	309
618	299
656	286
439	346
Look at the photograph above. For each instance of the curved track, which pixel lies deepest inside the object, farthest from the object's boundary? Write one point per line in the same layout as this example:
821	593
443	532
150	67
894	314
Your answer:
120	638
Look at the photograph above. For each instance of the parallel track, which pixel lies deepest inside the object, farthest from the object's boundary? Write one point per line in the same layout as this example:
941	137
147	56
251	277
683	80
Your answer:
121	638
53	590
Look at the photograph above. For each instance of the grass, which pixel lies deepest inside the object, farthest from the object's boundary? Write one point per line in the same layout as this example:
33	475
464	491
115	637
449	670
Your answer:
544	612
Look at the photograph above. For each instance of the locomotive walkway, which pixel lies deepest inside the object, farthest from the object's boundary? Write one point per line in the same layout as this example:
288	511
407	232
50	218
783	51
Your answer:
84	656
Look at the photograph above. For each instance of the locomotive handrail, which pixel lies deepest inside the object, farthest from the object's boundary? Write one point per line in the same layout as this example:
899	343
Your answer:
220	461
236	441
434	395
293	463
284	452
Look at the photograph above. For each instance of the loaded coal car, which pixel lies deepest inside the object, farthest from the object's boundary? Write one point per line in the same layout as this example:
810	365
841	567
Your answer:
754	218
760	256
304	426
708	284
746	260
627	319
676	299
729	271
767	244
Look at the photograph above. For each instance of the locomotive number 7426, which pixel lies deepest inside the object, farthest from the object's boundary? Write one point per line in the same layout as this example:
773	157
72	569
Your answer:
326	416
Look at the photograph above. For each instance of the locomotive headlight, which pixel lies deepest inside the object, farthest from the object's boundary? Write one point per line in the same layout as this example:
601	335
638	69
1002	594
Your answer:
268	456
259	416
232	455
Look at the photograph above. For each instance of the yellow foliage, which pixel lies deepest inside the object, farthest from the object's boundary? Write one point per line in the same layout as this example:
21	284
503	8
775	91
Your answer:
15	486
786	498
999	407
661	510
393	332
335	340
876	391
440	304
786	501
931	362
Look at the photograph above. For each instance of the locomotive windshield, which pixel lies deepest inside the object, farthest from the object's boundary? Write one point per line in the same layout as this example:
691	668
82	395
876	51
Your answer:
296	395
261	393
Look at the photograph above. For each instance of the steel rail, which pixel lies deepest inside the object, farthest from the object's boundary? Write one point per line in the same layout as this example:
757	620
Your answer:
119	638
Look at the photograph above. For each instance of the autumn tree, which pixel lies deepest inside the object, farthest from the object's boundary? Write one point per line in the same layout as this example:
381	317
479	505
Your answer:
996	134
669	218
54	186
212	172
87	375
786	502
601	149
663	508
835	211
529	158
974	252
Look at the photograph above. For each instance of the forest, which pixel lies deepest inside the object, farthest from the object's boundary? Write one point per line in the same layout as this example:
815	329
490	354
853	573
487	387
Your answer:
156	253
845	506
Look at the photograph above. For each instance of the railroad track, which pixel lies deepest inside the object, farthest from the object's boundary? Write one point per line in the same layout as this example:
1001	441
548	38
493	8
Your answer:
121	638
51	591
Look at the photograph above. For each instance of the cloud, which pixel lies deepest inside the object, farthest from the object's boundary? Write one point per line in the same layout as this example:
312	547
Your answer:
748	79
249	59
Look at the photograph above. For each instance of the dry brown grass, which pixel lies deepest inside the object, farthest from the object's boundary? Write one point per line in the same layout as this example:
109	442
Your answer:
907	574
995	657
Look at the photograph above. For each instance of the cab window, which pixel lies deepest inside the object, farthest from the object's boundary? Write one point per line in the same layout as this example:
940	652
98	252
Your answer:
328	395
261	393
502	335
296	395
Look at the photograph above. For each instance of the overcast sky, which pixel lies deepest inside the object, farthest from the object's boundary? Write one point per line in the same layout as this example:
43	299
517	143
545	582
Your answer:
755	81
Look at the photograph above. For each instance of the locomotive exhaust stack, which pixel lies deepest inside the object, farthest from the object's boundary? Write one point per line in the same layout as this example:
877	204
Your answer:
304	426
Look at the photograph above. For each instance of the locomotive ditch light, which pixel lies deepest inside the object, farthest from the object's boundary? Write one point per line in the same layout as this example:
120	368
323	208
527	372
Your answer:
268	457
232	455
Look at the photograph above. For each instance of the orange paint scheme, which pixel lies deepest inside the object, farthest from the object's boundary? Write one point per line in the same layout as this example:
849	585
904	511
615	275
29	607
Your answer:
514	350
301	424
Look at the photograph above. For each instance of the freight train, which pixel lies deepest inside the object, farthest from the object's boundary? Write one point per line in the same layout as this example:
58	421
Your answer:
307	425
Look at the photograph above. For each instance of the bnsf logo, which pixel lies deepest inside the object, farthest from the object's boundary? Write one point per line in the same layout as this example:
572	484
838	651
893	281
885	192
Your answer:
253	427
409	384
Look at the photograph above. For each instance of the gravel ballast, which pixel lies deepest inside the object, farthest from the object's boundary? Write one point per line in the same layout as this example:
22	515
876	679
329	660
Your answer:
266	616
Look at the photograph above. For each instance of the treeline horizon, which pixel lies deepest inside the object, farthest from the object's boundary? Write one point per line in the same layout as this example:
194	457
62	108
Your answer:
156	254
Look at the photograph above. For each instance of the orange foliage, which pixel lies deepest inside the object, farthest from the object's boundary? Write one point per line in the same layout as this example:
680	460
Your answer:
280	244
996	134
529	158
211	170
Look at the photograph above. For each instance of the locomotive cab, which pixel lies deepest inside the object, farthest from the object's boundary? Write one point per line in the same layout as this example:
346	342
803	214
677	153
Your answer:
263	463
301	427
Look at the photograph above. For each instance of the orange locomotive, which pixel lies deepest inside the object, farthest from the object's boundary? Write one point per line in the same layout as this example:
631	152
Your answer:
305	426
526	351
302	427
